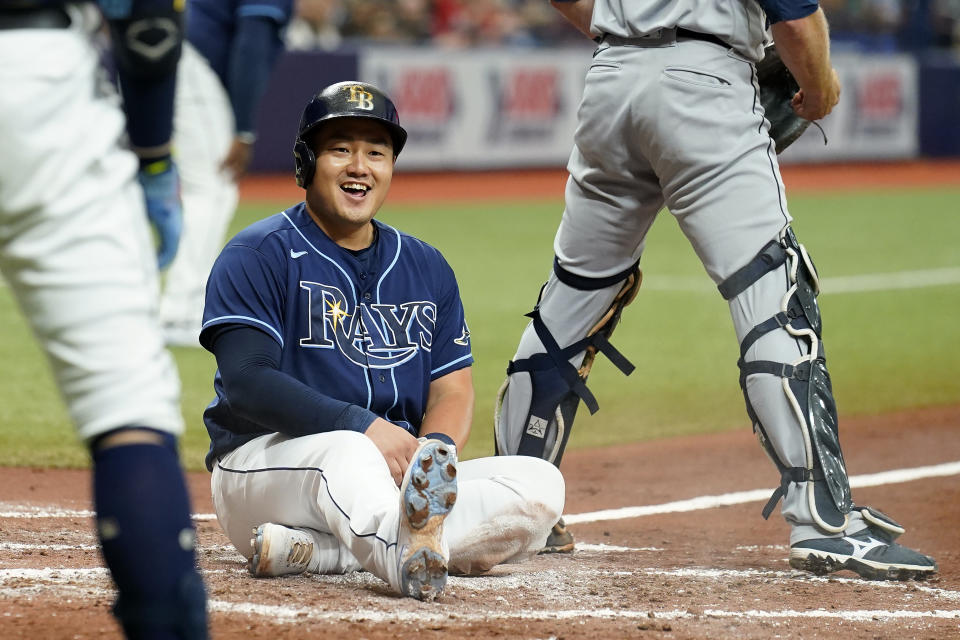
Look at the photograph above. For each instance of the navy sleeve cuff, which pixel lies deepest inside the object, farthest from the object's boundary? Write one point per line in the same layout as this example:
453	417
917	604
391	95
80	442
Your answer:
442	437
782	10
355	418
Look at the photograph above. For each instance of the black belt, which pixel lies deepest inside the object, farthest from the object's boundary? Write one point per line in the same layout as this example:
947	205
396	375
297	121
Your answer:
662	36
696	35
37	18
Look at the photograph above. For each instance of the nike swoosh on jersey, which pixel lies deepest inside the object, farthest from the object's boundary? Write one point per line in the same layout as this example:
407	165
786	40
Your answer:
297	254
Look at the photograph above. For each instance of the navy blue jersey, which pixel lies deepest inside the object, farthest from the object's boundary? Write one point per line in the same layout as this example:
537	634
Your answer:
373	331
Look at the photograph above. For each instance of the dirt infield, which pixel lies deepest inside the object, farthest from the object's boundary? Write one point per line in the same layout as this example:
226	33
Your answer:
679	568
547	183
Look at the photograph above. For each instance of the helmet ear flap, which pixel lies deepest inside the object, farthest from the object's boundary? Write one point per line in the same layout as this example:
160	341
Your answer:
306	162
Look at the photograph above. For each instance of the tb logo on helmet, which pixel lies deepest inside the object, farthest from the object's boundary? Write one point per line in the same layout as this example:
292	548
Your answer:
350	99
362	98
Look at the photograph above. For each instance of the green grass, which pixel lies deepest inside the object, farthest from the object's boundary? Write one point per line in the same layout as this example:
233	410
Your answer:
887	350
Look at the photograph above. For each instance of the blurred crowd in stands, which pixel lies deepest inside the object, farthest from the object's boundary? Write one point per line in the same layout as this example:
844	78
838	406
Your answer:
867	25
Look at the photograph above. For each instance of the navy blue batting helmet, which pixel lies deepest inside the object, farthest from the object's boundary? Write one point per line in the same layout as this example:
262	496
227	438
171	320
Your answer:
343	100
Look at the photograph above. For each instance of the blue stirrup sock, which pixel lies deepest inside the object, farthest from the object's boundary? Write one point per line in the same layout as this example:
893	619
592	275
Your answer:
148	540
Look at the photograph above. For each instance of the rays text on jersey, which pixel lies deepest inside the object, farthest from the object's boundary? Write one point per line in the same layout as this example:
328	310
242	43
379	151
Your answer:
376	335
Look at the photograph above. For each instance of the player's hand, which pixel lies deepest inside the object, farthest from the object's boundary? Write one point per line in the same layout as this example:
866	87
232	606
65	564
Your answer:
396	445
161	188
238	158
813	106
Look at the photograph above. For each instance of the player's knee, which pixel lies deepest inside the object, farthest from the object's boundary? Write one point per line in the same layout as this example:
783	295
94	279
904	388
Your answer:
352	441
546	487
556	491
353	448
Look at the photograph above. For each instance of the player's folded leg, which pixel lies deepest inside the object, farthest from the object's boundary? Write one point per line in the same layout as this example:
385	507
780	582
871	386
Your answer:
279	551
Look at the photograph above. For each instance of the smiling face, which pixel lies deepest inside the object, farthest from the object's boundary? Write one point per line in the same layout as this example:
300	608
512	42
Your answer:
354	169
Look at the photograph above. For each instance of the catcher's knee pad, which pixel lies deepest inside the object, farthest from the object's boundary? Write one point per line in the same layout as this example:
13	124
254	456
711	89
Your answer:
544	389
805	381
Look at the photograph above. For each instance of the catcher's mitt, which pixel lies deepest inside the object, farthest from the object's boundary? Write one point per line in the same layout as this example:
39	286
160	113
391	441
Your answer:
777	88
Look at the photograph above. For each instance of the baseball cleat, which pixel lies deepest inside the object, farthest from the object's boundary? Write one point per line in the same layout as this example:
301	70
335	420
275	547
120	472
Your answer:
870	554
427	494
279	551
559	540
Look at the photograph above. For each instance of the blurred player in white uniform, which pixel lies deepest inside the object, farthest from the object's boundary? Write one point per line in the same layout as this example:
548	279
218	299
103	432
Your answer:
230	50
77	252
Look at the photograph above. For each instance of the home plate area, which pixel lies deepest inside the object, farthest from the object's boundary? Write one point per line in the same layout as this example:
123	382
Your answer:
673	550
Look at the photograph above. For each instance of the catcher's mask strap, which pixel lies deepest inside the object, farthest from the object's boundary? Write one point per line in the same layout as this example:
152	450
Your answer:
770	257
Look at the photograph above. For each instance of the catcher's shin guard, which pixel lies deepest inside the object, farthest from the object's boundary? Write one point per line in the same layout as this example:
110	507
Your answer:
805	382
545	388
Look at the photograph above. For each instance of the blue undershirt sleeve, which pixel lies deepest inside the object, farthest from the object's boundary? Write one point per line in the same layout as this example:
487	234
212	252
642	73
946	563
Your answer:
148	104
253	52
782	10
248	360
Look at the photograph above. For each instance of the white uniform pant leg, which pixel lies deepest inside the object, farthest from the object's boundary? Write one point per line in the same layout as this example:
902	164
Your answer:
75	245
203	133
335	483
504	511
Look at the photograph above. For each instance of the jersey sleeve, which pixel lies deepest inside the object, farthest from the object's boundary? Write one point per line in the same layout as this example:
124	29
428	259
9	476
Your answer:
257	44
781	10
246	288
451	349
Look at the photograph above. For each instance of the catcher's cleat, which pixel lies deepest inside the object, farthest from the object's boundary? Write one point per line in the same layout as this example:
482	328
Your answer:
560	540
870	553
279	551
427	494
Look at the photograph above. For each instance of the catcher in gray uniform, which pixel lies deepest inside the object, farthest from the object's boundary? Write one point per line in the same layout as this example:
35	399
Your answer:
671	117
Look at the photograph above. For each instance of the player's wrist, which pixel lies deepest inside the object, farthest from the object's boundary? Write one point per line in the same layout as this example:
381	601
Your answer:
442	437
155	166
151	155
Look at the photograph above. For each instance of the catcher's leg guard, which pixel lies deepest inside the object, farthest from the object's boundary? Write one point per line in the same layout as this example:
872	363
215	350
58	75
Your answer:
805	382
537	403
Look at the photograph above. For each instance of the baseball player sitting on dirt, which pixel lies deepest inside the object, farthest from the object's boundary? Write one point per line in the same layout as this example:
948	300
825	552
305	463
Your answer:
344	385
671	117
